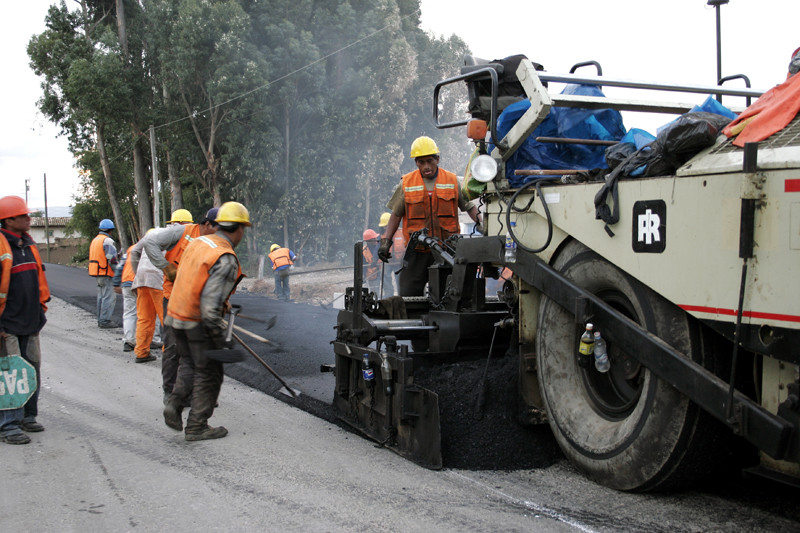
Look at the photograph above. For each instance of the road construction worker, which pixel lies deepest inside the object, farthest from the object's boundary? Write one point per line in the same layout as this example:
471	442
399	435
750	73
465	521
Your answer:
173	240
370	269
398	249
102	262
208	275
24	294
148	285
428	197
281	260
122	281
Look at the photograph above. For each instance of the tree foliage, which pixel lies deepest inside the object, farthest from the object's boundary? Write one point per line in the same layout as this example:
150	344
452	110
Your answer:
304	111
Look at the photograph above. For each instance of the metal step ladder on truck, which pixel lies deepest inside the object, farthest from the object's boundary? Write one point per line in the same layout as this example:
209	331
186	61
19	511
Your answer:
691	285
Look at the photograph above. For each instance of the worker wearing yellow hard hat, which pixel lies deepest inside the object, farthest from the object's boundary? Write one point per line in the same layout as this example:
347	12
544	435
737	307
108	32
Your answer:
208	274
281	259
429	197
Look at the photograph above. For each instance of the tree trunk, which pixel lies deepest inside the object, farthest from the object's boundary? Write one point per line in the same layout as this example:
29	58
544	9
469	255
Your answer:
112	195
122	31
175	186
142	182
287	145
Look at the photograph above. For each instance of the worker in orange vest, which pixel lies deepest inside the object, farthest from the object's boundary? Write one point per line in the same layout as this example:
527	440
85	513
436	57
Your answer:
281	260
370	269
24	294
429	197
165	247
208	275
398	249
102	262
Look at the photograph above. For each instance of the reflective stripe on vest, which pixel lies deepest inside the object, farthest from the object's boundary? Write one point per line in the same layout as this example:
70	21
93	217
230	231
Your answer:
98	262
199	257
436	210
279	258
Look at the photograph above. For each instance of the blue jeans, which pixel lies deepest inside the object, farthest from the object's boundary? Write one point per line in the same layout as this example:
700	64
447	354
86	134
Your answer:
106	299
28	347
282	284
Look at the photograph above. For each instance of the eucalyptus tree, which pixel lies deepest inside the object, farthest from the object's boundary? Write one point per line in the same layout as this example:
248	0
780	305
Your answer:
208	65
83	81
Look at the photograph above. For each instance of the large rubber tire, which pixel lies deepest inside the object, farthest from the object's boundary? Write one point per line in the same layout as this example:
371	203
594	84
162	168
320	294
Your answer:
625	429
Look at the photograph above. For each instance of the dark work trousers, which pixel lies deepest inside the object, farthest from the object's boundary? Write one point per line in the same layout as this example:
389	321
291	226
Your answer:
414	276
169	360
199	378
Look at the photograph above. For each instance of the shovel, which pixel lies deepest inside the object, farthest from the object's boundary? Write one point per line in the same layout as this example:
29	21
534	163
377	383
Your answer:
294	393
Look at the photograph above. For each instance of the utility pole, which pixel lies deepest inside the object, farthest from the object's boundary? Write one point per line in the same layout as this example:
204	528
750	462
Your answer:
154	158
46	220
27	188
717	4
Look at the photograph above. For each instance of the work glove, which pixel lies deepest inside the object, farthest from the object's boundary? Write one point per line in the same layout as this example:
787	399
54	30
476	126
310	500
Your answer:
170	271
383	252
217	338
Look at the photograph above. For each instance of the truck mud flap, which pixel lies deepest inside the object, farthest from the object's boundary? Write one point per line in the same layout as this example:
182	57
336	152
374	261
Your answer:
395	413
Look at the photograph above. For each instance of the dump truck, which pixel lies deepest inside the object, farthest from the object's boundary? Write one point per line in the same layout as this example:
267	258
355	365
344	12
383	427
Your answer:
690	284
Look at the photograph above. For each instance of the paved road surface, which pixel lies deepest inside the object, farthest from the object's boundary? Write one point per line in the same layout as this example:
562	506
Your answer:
108	463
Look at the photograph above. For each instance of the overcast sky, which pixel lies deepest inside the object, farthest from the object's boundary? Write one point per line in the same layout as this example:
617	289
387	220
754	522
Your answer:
671	41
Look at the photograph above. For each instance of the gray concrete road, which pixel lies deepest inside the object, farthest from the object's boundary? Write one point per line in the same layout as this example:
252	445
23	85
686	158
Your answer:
107	462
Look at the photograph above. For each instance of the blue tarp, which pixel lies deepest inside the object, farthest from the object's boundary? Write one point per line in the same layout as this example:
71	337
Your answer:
601	124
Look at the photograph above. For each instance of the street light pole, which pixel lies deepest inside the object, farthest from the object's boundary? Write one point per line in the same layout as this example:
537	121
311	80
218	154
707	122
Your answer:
717	4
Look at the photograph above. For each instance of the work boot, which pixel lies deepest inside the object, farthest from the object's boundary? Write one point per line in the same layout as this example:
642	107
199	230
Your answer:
172	416
150	357
208	433
108	325
21	438
155	345
127	347
31	426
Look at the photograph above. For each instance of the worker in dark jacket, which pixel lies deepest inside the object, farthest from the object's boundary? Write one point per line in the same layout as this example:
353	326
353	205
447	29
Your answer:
23	297
207	276
429	197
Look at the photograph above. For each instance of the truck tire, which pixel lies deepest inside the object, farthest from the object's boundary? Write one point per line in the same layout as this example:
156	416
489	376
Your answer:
626	429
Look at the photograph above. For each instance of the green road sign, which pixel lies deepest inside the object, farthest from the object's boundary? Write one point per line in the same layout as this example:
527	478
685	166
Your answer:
17	382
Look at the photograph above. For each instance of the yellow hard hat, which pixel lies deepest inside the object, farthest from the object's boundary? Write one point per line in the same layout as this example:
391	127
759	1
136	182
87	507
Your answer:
180	215
384	220
233	213
423	146
273	248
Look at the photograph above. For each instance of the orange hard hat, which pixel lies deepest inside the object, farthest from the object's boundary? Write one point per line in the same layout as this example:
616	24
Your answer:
370	235
12	206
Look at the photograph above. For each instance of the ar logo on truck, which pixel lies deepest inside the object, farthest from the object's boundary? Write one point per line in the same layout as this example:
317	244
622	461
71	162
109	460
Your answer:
650	226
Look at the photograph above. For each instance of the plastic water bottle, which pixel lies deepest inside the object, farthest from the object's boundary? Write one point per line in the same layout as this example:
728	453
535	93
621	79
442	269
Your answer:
601	362
367	372
511	246
586	347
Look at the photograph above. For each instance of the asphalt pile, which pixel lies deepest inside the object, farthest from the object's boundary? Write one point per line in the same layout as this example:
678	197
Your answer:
491	437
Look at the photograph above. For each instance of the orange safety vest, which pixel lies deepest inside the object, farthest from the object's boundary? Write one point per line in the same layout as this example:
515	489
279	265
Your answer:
200	256
436	210
174	254
372	268
98	262
279	258
127	270
7	261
